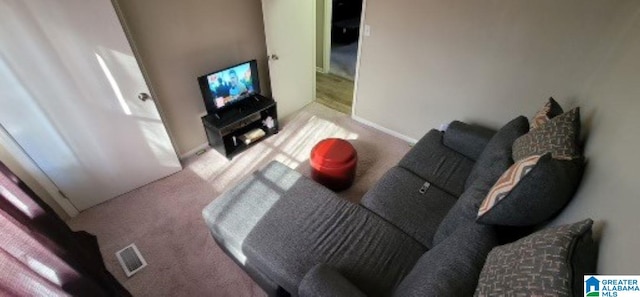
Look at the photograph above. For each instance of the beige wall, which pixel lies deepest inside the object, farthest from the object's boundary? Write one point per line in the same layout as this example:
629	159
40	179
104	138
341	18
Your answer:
181	40
28	179
610	102
320	33
488	61
482	61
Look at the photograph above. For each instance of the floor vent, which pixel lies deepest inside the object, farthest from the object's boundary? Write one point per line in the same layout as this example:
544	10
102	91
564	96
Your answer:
130	259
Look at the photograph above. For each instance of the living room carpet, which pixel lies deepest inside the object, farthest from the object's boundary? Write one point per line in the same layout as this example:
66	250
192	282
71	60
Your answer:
164	218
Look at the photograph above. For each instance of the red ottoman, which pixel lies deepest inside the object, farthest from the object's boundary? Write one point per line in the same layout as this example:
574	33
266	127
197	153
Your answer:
333	163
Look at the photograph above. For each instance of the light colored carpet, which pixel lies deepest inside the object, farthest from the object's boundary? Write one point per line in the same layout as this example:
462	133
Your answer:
164	217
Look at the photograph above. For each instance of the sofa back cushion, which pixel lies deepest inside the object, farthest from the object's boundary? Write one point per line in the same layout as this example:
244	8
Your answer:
494	160
498	152
469	140
464	211
452	267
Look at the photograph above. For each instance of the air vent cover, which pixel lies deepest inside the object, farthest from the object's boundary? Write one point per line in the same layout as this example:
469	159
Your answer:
130	259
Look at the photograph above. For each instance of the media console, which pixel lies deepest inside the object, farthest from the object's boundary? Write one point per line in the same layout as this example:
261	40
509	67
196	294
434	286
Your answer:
236	129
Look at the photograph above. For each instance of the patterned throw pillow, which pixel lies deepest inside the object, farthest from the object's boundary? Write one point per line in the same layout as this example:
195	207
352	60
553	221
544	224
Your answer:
507	182
536	197
559	136
550	110
550	262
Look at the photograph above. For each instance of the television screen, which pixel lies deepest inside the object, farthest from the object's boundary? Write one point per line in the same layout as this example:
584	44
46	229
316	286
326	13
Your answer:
225	87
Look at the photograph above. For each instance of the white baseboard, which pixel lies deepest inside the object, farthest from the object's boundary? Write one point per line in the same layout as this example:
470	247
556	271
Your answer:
198	148
320	69
383	129
193	151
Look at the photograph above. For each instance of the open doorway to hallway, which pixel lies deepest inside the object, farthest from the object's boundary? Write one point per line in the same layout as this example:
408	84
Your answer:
337	35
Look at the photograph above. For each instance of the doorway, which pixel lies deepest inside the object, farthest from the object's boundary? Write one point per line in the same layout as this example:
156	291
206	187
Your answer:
337	36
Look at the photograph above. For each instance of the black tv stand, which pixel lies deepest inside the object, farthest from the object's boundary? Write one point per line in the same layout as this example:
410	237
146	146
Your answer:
225	128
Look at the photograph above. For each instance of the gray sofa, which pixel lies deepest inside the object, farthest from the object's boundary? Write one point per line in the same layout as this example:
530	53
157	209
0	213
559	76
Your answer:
413	234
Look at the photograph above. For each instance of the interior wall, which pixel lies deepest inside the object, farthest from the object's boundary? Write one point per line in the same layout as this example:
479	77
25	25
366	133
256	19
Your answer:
320	34
487	61
181	40
610	104
480	61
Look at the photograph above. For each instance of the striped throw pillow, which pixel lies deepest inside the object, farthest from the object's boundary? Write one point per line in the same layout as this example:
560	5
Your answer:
507	182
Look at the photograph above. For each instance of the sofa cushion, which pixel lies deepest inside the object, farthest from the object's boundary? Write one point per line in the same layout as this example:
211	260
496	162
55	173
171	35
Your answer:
550	262
550	110
559	136
284	224
519	199
324	281
443	167
452	267
464	211
469	140
498	151
397	199
492	163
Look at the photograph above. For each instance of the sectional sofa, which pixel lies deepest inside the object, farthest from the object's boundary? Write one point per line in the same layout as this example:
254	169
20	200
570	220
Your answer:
427	227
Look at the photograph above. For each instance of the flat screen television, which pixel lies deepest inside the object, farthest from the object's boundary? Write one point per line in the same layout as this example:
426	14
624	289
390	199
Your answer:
226	87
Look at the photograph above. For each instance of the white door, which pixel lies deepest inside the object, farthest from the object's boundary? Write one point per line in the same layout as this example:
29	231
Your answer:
69	86
289	27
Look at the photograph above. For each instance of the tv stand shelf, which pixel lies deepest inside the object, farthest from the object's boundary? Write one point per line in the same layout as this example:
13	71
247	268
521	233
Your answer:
224	129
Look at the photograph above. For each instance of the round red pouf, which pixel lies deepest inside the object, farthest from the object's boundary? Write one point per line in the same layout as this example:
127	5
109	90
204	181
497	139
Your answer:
333	163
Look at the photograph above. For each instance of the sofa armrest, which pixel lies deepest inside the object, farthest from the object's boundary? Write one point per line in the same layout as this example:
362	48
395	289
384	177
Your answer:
469	140
323	280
